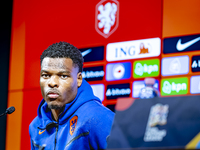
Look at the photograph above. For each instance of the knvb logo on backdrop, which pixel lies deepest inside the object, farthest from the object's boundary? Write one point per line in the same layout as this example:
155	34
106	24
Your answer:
174	86
175	65
133	49
93	73
196	63
93	54
107	17
118	90
118	71
146	68
181	44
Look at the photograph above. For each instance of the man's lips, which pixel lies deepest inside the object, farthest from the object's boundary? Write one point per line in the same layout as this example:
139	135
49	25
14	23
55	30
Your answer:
53	95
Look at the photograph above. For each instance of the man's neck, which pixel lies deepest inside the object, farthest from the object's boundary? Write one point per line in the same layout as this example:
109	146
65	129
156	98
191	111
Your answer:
56	113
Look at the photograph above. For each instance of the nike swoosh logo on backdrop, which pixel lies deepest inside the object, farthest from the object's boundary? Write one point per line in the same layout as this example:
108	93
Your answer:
181	47
86	52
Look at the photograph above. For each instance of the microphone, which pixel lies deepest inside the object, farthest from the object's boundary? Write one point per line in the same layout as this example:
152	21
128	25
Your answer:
9	110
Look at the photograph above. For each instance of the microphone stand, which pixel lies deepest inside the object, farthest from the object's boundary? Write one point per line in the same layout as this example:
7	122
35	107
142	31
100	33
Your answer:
2	114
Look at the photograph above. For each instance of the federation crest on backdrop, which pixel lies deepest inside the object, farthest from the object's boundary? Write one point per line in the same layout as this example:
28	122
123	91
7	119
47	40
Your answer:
107	17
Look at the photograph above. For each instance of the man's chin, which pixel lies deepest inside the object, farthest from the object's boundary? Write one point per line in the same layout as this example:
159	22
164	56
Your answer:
55	106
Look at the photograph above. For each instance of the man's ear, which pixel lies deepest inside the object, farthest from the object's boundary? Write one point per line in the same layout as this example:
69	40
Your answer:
79	79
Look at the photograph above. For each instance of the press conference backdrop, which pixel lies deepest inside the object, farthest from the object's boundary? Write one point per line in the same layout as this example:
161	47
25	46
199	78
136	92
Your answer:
122	43
165	123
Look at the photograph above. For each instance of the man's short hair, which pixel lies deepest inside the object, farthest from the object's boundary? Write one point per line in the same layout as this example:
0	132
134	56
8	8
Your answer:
64	50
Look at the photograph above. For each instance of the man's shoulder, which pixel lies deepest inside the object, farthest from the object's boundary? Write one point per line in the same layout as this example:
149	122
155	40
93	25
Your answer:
95	110
34	123
95	106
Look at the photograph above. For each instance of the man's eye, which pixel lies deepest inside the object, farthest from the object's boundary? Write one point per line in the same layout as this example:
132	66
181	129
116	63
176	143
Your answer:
63	76
45	75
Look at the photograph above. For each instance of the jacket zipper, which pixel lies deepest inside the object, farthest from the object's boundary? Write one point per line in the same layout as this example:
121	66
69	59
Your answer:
56	132
56	137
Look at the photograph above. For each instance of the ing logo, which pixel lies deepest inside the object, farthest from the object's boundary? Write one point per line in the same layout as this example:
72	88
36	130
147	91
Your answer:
107	17
143	50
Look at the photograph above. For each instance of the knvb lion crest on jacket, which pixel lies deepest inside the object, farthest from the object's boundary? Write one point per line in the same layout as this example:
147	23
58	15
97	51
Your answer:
107	17
73	123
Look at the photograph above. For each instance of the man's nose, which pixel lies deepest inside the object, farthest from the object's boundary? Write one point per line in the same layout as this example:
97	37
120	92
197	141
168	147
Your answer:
53	82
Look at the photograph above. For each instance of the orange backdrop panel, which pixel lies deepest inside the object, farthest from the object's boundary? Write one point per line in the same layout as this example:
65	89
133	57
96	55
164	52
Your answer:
180	17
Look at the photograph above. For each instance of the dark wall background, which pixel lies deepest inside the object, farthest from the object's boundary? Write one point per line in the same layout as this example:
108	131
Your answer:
5	34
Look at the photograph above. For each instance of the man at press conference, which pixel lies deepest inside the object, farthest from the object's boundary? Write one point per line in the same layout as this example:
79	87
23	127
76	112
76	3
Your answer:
69	115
